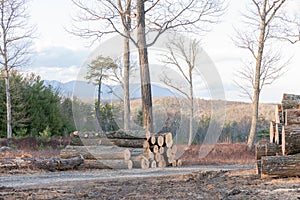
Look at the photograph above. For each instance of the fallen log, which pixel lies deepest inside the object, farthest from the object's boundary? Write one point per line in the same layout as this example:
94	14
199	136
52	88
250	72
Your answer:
280	166
290	140
15	163
292	116
268	149
96	152
57	164
107	164
121	134
131	143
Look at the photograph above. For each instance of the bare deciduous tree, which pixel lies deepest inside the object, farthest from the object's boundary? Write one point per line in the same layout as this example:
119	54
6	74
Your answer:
108	16
263	21
189	52
15	36
146	16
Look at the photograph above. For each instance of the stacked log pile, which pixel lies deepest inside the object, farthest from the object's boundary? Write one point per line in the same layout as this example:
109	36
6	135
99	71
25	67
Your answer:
124	150
280	157
147	151
159	151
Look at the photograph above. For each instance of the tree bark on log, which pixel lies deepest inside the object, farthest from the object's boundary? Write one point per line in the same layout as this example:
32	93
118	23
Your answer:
96	152
280	166
130	143
290	97
292	116
290	104
290	140
107	164
57	164
121	134
268	149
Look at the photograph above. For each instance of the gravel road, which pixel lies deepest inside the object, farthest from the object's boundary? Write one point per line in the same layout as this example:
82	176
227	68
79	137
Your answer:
78	176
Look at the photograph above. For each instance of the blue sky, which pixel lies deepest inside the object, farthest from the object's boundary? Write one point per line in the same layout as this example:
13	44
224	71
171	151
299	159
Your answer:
60	55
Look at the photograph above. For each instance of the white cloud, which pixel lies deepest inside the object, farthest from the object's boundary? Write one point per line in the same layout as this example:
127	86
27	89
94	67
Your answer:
62	74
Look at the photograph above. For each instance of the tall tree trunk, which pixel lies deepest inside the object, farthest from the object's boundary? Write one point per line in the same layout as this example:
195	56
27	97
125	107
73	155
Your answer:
8	104
191	107
144	67
255	103
127	69
98	101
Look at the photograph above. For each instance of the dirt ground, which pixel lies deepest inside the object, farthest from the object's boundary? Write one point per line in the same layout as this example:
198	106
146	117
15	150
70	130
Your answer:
233	184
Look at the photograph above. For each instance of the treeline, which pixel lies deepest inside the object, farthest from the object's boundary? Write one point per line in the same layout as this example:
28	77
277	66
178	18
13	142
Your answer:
36	109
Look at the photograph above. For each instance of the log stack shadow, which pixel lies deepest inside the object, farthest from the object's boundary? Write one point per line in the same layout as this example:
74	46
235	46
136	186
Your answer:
280	157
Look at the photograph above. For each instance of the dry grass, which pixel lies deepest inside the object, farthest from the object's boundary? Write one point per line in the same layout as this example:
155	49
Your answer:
221	154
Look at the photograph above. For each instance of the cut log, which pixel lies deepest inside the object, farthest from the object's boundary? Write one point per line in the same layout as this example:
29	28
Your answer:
169	139
137	151
158	157
160	140
161	150
54	164
153	164
15	163
290	97
272	131
169	152
290	140
155	149
290	104
179	163
145	164
131	143
268	149
107	164
174	164
136	161
174	149
95	142
146	144
278	114
150	155
96	152
162	163
153	140
292	116
280	166
121	134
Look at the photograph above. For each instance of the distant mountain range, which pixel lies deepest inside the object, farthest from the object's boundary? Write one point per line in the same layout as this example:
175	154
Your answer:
82	89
